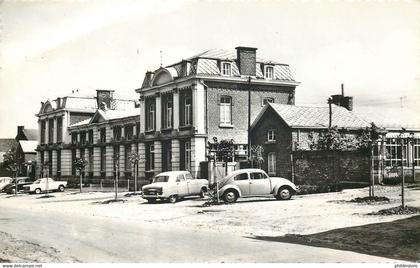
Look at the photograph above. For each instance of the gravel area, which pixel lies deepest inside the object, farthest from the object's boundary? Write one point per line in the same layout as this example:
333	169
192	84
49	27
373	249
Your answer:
304	214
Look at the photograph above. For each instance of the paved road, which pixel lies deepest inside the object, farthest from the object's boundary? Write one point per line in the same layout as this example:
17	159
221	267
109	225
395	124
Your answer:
99	239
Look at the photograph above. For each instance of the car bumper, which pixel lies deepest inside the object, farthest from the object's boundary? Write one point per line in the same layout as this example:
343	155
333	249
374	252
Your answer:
153	196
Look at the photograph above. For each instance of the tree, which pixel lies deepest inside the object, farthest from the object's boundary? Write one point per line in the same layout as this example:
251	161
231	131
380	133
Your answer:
80	165
224	151
134	159
12	161
257	155
117	173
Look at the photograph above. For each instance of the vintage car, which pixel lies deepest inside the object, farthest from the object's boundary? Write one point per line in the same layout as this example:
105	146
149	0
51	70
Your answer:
21	181
43	185
173	185
4	181
254	182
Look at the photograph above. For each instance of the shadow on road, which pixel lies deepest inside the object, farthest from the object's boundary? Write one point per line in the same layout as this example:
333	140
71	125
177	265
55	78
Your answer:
399	239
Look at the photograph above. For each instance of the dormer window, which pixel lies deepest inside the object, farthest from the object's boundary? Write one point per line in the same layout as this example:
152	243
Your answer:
226	68
268	72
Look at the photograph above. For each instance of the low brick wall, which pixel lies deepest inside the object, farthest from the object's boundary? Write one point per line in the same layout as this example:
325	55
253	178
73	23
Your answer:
330	167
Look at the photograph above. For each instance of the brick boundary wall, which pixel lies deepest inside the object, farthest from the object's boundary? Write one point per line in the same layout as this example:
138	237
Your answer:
330	167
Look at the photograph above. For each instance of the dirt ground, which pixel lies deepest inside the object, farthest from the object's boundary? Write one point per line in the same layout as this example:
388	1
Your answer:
253	217
305	214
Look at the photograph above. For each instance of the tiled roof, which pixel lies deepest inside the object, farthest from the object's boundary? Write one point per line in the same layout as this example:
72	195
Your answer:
297	116
28	146
31	134
390	118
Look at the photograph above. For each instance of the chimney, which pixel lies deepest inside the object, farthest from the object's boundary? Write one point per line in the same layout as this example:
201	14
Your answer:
348	103
247	58
343	101
104	98
20	129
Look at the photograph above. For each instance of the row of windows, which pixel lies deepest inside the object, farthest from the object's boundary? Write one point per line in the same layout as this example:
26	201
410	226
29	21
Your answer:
225	112
168	113
226	70
117	134
58	130
185	157
394	150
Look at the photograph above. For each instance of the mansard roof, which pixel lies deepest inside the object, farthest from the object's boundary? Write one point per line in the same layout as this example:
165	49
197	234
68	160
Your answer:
207	64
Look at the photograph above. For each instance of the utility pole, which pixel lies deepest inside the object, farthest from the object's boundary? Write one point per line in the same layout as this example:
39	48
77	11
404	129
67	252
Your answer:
249	118
330	119
402	170
413	155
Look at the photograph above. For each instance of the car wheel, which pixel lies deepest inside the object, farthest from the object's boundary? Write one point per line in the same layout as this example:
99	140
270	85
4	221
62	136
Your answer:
13	191
151	200
61	188
173	199
284	193
37	191
203	192
230	196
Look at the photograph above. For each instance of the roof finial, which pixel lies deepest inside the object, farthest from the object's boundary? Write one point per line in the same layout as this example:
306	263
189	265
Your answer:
161	57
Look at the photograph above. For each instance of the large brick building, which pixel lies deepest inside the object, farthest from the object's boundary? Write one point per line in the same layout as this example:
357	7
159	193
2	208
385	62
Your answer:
182	106
186	104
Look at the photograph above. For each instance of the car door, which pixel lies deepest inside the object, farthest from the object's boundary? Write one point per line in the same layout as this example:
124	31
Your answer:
181	185
193	187
259	183
242	181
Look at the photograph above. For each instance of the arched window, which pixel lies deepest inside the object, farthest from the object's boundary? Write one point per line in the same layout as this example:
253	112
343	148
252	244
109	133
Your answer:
225	110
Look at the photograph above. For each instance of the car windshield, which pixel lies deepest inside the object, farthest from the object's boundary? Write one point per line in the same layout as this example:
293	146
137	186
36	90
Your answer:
161	179
37	181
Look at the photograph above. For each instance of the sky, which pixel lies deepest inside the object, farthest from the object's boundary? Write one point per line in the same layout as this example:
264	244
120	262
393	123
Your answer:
49	48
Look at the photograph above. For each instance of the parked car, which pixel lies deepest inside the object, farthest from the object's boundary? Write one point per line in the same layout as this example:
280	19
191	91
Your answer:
173	185
254	182
21	181
41	185
4	181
